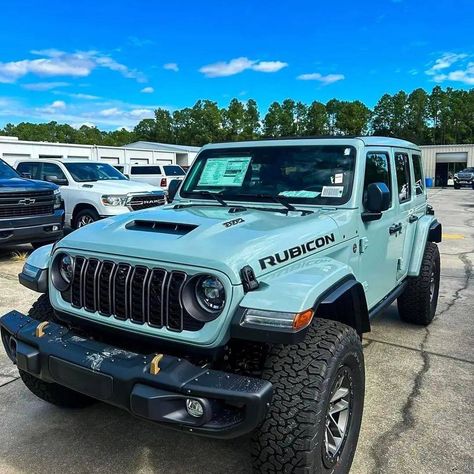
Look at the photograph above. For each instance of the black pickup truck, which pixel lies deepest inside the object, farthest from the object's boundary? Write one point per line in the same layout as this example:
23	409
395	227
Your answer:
30	211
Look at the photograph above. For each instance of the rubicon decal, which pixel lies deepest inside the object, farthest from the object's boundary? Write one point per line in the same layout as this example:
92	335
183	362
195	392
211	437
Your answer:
297	251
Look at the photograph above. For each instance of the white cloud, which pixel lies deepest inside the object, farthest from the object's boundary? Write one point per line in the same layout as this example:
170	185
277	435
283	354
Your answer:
44	86
113	111
238	65
171	67
442	69
325	80
60	63
445	62
80	95
269	66
140	42
58	104
147	90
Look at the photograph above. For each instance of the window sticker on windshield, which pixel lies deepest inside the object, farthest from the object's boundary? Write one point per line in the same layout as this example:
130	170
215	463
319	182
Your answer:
332	191
224	171
300	194
338	178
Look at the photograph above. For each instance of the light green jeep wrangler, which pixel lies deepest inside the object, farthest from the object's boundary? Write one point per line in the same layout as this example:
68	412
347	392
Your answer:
240	306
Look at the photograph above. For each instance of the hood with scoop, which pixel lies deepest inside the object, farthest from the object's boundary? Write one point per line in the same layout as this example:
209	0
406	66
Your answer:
213	237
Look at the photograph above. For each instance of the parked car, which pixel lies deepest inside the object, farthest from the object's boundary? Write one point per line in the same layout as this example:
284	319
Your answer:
92	190
240	306
159	175
30	211
464	178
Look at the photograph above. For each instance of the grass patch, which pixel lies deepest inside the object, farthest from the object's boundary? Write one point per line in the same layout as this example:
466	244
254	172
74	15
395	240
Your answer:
18	256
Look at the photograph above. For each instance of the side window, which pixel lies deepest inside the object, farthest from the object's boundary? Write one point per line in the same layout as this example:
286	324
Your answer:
402	168
418	171
50	169
377	170
33	169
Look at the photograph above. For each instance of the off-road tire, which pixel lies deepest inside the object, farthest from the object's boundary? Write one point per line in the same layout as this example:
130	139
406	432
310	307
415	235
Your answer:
417	304
291	439
51	392
90	214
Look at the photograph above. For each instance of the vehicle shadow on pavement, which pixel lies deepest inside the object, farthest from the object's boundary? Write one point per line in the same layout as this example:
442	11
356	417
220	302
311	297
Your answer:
102	438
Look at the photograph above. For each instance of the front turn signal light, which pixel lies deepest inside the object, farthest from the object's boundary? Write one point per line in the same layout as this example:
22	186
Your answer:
303	319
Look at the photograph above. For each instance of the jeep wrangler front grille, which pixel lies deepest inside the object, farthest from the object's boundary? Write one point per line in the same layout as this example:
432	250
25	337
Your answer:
130	293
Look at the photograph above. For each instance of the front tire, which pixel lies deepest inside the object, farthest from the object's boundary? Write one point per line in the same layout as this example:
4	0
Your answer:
85	217
51	392
417	304
313	423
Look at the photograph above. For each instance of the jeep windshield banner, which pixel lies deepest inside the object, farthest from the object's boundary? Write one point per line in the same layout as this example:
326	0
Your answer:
224	171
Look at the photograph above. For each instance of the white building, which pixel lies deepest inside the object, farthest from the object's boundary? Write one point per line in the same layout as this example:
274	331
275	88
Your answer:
12	150
440	162
184	154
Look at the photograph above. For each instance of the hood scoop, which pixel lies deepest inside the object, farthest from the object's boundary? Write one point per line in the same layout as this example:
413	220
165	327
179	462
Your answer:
173	228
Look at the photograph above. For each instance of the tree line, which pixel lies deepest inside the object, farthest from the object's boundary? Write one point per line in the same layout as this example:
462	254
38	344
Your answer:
435	118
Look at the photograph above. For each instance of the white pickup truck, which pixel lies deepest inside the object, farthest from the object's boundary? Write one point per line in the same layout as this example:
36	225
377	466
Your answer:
159	174
92	190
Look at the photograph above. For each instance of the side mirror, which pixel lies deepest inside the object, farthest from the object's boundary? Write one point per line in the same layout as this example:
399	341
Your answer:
377	200
173	189
56	180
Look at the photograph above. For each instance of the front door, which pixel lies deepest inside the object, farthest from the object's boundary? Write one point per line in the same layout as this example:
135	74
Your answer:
378	241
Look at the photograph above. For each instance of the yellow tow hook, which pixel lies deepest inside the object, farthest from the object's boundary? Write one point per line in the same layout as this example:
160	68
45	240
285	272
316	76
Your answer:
39	331
154	364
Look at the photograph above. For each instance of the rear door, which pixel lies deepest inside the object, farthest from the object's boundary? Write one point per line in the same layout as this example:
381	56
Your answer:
407	215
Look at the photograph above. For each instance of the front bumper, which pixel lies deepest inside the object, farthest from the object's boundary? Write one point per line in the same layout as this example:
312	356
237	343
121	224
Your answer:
32	229
233	404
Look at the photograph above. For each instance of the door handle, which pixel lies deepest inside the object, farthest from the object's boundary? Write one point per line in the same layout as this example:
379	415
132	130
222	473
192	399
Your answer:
412	218
394	228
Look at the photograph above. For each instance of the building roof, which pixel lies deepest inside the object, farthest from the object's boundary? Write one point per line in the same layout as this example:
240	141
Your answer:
163	147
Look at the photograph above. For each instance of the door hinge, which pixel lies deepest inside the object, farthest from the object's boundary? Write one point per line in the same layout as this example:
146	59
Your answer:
363	244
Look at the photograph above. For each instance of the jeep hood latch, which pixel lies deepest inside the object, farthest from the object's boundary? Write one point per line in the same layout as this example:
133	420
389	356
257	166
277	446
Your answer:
249	280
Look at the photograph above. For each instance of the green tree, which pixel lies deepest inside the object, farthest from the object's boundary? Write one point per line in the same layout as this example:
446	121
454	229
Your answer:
352	118
251	125
316	119
233	120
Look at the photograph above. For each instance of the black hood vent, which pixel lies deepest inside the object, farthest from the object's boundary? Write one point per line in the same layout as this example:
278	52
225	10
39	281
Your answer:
161	227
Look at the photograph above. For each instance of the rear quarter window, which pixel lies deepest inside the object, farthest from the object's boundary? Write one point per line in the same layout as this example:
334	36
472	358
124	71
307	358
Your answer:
137	170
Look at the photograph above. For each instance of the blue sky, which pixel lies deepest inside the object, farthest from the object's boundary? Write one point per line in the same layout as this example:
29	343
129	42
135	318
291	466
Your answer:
110	63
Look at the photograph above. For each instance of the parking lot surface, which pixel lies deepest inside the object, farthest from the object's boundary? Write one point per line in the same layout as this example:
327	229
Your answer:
419	393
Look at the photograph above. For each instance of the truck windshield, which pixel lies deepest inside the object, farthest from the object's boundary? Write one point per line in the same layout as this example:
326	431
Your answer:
83	172
300	174
7	172
173	170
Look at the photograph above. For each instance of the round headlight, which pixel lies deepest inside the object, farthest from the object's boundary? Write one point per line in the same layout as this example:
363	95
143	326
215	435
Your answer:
62	271
210	293
65	268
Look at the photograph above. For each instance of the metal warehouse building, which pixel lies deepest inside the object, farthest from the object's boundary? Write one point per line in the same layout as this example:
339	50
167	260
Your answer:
442	161
12	149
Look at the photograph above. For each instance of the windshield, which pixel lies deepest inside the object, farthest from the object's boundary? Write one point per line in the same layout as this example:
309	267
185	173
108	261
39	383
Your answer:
83	172
299	174
7	172
174	170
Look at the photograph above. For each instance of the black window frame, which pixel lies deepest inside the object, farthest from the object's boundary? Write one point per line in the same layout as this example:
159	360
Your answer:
407	173
139	167
422	177
389	171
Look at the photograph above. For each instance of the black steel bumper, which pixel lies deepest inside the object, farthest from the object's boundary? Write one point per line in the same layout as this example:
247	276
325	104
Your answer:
233	404
32	229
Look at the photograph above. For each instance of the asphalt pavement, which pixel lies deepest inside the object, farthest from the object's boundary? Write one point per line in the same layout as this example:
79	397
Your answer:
419	402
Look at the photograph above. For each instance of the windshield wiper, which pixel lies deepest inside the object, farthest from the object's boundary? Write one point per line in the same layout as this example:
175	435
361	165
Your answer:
214	196
275	198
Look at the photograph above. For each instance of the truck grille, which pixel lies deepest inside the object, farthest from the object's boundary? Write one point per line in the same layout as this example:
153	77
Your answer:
136	293
26	204
137	203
